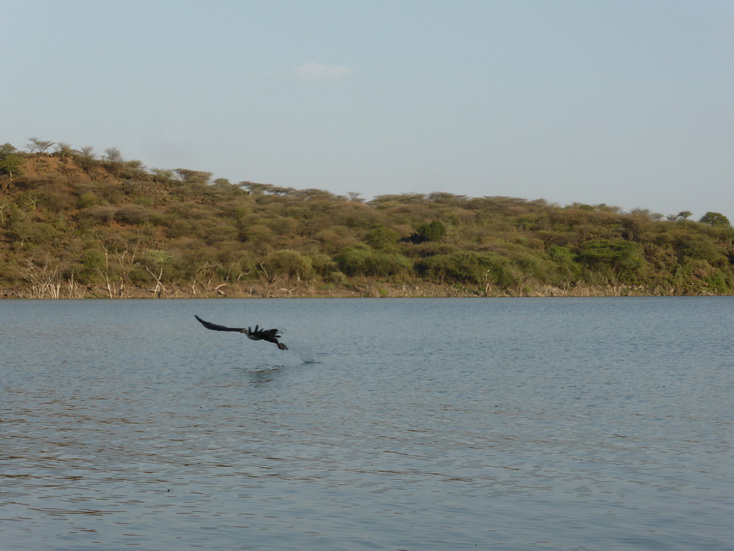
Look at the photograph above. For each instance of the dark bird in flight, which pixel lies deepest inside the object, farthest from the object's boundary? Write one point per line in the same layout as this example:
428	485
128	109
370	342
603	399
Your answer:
270	335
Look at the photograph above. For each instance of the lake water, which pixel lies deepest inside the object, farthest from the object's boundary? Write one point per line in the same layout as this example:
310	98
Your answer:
390	424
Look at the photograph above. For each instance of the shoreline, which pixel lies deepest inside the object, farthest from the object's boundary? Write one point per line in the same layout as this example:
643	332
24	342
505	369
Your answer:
310	290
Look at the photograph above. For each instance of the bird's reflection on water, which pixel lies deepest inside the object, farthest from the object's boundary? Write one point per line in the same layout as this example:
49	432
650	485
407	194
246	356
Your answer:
264	375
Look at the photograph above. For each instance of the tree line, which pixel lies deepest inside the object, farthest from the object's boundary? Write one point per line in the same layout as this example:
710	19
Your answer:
77	224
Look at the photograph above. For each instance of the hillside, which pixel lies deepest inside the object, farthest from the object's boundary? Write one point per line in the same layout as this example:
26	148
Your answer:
74	225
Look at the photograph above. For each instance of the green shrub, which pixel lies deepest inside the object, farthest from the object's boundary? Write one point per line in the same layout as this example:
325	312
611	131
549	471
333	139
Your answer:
289	263
615	256
433	231
362	260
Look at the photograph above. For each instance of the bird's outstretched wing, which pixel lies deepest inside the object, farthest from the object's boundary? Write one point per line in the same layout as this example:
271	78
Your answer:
215	327
269	335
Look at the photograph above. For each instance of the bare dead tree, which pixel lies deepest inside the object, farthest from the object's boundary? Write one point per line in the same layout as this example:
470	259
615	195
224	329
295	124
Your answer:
116	284
159	287
45	280
267	280
74	290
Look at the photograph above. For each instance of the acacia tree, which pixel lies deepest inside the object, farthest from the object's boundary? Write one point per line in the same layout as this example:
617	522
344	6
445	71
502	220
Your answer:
10	161
715	219
113	155
86	157
39	146
194	176
64	149
621	259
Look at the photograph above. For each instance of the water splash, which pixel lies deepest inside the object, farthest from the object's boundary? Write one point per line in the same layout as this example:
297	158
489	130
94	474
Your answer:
307	355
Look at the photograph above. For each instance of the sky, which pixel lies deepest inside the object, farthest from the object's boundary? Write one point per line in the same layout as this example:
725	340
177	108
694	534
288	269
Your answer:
628	103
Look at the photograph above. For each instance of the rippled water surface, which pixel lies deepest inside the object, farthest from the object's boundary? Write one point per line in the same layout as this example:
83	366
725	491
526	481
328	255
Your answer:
389	424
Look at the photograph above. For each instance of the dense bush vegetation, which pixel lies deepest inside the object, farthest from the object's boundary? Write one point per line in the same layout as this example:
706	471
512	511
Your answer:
75	225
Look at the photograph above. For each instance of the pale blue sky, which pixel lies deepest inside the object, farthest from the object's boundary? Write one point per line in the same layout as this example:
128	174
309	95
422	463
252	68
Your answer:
624	102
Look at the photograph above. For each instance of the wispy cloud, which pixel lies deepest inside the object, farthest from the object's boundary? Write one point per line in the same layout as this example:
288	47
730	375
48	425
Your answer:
318	72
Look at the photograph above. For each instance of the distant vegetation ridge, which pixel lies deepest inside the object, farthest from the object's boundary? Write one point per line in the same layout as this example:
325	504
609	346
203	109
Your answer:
74	224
